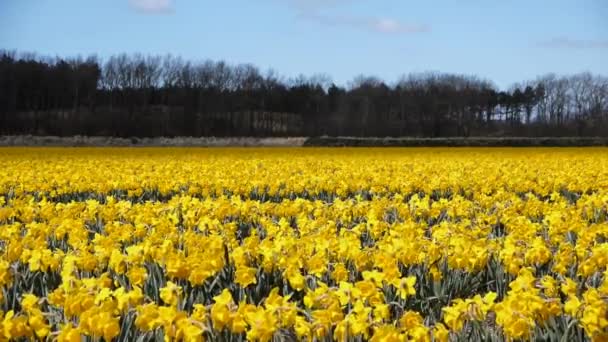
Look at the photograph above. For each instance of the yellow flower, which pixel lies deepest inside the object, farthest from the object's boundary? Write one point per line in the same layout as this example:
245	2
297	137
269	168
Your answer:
348	293
339	273
188	332
15	327
302	328
405	287
453	315
410	320
39	324
412	324
147	317
110	327
29	302
221	311
171	293
374	276
440	333
6	275
69	334
238	322
245	276
569	287
137	275
262	324
117	262
387	333
295	278
595	313
381	312
199	313
572	306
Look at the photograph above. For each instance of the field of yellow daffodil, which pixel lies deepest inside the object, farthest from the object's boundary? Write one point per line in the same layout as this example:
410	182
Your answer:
286	244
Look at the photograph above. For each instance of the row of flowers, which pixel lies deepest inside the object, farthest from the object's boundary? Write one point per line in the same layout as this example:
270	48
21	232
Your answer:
495	245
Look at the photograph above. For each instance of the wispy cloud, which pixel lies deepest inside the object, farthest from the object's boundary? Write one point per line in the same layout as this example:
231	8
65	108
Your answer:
315	5
315	10
575	44
152	6
388	25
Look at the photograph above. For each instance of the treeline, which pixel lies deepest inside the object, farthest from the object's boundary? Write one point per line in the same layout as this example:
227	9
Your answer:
143	96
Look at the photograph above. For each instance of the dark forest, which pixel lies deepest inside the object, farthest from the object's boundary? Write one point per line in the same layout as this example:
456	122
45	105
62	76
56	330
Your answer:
145	96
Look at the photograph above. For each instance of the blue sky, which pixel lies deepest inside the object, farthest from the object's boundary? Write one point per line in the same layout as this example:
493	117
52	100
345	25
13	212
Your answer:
504	41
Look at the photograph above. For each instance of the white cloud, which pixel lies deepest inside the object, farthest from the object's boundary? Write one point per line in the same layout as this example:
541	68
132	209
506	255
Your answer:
314	5
152	6
389	25
570	43
315	10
